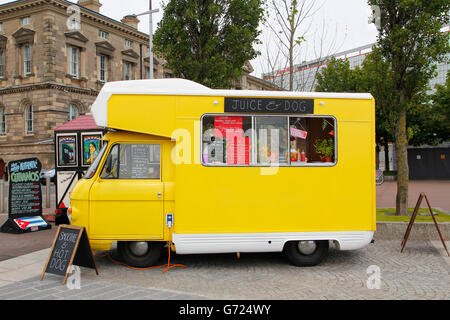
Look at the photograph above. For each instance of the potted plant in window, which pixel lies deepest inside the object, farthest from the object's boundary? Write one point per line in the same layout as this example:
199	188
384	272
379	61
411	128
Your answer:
325	148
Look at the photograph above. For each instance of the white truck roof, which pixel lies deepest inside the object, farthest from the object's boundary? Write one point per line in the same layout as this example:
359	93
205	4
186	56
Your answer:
183	87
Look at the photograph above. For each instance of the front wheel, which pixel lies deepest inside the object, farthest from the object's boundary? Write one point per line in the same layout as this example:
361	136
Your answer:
306	253
140	254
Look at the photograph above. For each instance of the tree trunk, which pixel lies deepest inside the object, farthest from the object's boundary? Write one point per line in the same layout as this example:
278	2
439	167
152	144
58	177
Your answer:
387	165
401	144
291	45
291	63
377	157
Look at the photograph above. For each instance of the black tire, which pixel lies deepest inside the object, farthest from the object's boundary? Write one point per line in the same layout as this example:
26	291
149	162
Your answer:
142	259
301	259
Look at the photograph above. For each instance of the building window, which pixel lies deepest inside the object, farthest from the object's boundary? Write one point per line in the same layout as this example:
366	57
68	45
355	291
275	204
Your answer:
128	43
127	70
2	121
2	63
73	112
1	26
25	21
103	34
29	114
103	67
27	60
74	61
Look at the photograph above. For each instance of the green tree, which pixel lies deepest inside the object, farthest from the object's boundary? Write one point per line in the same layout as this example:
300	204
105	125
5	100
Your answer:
428	117
208	41
337	76
437	112
376	80
411	43
441	106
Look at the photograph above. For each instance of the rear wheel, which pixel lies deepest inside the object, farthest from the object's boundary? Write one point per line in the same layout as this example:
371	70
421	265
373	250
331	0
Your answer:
140	254
306	253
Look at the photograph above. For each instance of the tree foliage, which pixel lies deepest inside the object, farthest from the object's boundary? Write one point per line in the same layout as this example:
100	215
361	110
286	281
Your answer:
429	119
410	43
337	76
208	41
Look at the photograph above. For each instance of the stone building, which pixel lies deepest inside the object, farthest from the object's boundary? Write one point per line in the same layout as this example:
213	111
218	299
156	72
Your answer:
55	56
52	66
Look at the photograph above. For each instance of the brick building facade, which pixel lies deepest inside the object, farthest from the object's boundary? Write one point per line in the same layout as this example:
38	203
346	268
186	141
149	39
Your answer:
54	58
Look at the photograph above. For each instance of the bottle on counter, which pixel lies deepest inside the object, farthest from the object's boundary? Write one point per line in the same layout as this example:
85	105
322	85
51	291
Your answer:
303	156
294	155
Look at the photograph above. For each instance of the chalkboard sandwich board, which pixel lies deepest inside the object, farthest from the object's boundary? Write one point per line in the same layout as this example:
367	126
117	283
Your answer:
70	247
25	198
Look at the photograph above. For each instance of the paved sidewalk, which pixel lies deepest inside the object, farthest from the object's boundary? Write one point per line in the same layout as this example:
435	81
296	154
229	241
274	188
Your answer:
20	280
15	245
437	191
420	272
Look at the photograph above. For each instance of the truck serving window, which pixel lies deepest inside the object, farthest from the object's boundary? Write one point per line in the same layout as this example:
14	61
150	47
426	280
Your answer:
226	140
133	161
93	168
281	140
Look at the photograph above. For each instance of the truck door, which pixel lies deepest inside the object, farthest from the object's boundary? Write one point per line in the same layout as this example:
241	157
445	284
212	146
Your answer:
126	200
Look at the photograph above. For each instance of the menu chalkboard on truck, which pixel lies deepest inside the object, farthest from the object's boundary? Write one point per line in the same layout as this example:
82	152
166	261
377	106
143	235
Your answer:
70	246
139	161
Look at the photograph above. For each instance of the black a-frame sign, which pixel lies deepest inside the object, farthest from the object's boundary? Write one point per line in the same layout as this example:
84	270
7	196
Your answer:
70	247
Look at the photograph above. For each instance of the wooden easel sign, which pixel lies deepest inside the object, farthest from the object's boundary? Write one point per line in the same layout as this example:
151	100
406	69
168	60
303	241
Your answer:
70	246
413	217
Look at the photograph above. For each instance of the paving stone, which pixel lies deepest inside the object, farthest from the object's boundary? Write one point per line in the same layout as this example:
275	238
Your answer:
420	272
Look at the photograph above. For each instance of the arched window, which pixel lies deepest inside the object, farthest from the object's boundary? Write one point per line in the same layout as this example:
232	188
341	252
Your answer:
2	121
29	118
73	112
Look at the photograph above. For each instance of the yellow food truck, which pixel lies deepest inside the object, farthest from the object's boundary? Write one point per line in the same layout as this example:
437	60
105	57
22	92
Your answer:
228	171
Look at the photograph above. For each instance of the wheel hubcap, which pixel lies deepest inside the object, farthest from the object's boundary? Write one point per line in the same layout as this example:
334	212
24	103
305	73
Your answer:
139	248
307	247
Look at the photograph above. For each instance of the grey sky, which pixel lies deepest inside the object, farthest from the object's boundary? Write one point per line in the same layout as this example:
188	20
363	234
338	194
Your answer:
349	17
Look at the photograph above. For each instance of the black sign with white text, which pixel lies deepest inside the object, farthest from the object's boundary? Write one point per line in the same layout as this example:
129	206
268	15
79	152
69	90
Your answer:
269	105
25	197
70	246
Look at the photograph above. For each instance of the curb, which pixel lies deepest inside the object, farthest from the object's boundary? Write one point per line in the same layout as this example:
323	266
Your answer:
420	231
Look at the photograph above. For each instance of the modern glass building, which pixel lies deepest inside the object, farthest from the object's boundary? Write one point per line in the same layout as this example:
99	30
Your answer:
305	73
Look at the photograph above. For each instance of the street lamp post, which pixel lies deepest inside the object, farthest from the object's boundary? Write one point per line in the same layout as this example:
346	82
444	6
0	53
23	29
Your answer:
150	13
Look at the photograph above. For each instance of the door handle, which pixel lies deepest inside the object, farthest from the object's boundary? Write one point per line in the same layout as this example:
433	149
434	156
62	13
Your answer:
159	195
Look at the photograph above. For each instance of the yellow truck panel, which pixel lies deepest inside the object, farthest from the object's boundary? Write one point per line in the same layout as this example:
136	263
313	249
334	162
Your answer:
220	205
